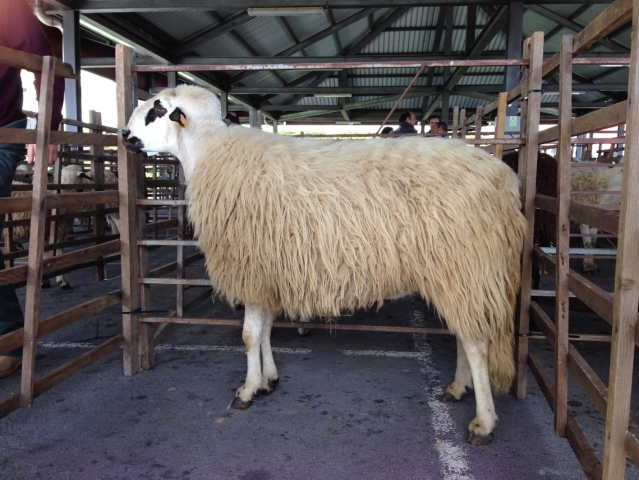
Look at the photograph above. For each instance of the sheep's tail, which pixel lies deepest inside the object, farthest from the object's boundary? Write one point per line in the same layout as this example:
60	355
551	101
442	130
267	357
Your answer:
501	346
501	363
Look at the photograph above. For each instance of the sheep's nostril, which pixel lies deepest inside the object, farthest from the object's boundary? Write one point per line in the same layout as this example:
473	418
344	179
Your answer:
126	133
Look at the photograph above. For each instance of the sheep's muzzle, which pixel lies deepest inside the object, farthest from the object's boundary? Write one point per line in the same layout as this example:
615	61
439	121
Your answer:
132	144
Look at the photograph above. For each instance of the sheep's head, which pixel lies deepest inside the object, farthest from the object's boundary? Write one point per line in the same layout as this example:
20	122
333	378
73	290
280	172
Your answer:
159	124
74	175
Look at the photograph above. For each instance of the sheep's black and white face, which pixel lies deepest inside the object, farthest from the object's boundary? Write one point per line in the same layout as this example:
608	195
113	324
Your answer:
155	125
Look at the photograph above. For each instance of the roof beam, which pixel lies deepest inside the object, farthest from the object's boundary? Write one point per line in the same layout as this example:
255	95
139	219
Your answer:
113	6
376	30
315	38
611	44
209	33
494	25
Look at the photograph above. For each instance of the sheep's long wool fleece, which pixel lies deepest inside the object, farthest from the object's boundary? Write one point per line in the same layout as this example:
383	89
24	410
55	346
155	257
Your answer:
317	228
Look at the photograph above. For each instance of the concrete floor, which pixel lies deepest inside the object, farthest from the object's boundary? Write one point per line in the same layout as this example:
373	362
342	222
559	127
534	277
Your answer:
348	405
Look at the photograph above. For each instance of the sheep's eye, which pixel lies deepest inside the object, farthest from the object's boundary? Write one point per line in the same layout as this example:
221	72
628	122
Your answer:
157	111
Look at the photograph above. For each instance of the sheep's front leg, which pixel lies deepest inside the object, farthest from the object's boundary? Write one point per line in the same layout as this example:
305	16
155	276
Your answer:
589	264
463	382
269	370
481	428
254	323
302	332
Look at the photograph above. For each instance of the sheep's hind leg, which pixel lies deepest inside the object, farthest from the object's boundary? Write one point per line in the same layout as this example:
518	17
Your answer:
269	370
589	265
482	426
463	382
302	332
252	336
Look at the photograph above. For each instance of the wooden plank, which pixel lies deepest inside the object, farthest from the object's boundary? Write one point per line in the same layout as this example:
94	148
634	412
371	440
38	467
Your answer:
61	263
62	200
92	125
191	304
632	446
464	128
27	61
63	319
168	242
162	201
534	51
325	326
578	442
171	267
598	217
500	123
97	173
20	135
181	231
455	122
599	119
624	317
36	238
562	270
128	214
479	118
174	281
12	402
593	296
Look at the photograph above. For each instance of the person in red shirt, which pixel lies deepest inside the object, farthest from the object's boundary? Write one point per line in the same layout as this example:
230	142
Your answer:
20	30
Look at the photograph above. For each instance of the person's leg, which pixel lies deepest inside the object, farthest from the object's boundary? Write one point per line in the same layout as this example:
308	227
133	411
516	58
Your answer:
11	317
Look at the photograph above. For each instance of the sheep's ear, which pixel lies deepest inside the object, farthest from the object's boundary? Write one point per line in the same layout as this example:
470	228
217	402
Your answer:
157	111
178	116
85	175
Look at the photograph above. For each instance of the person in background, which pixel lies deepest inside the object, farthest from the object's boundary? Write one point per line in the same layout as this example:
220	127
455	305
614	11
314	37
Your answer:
433	123
387	130
232	118
442	129
19	30
407	121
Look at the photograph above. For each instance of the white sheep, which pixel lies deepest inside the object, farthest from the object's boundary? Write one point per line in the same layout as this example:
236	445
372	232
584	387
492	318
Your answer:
595	179
69	175
313	228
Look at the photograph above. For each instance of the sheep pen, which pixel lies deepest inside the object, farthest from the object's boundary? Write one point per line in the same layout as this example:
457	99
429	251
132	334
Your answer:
315	229
69	175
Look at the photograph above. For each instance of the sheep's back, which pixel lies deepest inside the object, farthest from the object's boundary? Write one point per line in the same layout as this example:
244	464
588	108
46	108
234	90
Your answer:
316	228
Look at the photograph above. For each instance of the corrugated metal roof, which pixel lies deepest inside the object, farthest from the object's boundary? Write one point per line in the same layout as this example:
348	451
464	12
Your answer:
265	35
308	25
418	17
181	24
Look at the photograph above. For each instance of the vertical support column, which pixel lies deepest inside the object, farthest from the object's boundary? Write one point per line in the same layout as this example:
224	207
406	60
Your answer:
531	94
624	316
562	273
445	106
224	103
479	119
455	122
171	79
36	236
180	249
255	118
97	173
71	55
513	48
275	123
127	178
462	121
500	123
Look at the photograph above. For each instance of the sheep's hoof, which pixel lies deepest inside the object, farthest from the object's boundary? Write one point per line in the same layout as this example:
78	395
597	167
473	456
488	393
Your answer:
65	286
477	440
303	332
271	387
448	397
46	285
240	404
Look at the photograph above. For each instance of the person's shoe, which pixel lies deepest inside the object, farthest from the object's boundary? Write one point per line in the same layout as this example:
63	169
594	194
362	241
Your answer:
9	365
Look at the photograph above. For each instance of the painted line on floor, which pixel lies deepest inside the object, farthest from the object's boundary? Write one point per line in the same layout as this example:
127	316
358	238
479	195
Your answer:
240	349
453	458
379	353
197	348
